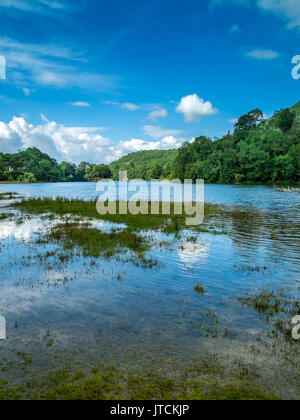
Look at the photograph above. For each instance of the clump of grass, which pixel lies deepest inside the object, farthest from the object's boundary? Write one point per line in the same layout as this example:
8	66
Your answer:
266	302
5	216
93	243
8	196
278	307
199	289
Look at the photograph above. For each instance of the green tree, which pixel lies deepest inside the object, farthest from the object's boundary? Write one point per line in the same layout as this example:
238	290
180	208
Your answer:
284	119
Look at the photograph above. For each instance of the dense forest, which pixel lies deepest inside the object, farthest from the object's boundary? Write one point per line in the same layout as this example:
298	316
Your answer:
150	164
258	150
32	165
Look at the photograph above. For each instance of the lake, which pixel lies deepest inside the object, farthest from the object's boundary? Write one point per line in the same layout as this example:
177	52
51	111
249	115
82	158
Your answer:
82	311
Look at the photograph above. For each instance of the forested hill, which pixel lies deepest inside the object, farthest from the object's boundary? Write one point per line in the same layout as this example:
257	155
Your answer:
149	164
257	151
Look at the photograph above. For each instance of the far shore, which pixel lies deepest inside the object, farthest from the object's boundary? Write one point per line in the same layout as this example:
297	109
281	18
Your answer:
267	184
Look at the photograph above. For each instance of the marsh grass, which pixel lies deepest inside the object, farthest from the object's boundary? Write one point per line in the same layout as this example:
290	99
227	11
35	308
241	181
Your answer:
94	243
7	196
5	216
169	223
207	381
277	307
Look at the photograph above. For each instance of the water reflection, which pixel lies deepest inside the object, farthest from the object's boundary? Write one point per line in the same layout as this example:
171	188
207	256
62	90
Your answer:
105	308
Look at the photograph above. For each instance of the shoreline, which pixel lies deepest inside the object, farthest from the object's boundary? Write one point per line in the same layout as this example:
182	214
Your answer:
266	184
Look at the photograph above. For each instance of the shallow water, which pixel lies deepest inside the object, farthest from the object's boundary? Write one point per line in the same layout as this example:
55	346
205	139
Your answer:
84	312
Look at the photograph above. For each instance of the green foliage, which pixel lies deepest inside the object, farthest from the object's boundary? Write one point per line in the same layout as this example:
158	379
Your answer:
152	164
249	121
32	165
257	151
99	171
285	119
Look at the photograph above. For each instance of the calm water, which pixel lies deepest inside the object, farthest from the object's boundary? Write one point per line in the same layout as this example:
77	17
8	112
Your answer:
84	312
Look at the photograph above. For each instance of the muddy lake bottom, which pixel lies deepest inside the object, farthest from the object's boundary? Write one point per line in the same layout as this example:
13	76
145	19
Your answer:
68	310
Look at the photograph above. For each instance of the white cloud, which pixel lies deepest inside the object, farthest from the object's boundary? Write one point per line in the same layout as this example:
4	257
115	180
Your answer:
136	145
70	143
158	113
50	65
156	132
78	144
233	120
194	108
81	104
32	5
290	9
262	54
286	9
130	107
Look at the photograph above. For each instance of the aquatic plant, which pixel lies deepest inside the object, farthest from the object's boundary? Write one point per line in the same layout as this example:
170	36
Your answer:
199	289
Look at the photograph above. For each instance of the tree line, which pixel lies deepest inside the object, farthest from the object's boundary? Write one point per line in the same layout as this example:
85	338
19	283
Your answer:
32	165
258	150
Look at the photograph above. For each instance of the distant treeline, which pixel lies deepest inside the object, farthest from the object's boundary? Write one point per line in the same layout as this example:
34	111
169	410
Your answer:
32	165
258	150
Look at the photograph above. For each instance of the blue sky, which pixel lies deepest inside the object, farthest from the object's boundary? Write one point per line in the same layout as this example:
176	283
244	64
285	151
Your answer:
94	80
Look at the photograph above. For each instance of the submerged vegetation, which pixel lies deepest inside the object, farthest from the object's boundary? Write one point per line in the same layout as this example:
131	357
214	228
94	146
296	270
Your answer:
279	307
168	222
74	243
110	383
94	243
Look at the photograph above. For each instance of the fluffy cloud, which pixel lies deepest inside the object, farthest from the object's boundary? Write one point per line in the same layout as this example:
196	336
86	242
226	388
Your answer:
157	113
156	132
194	108
71	143
136	145
78	144
165	138
262	54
